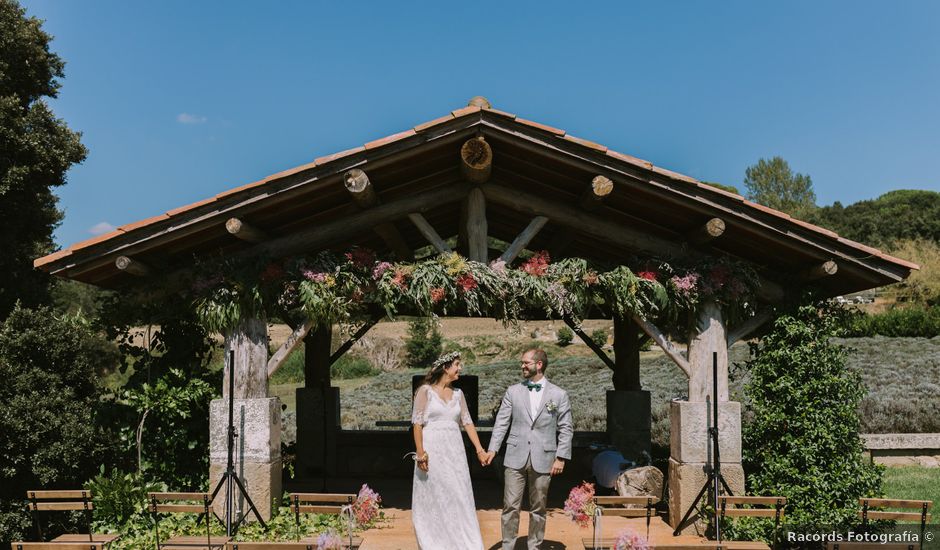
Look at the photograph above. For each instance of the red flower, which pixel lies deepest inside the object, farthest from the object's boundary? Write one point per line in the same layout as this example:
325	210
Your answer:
467	282
437	294
590	278
648	275
537	265
361	257
401	279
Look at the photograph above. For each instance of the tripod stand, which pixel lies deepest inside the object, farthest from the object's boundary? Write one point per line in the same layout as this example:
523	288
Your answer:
229	478
715	481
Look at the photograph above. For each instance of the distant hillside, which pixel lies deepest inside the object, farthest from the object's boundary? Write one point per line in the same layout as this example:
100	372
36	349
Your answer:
894	216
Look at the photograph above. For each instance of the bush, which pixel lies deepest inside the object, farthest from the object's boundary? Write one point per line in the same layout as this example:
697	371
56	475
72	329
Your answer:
49	435
564	336
899	322
599	336
425	343
349	366
802	438
120	498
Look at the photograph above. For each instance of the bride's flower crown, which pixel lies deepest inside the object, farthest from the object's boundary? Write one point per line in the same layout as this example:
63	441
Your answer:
446	358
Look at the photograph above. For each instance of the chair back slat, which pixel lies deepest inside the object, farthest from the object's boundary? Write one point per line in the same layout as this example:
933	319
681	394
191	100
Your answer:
752	513
59	494
320	509
345	498
906	516
178	496
767	501
60	506
271	546
894	503
180	508
56	546
613	501
624	512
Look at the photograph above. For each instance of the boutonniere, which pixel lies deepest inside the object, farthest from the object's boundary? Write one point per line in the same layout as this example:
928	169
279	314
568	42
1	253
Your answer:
551	407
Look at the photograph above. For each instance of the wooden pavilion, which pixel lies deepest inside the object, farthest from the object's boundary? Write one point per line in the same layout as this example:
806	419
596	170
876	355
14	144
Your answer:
477	173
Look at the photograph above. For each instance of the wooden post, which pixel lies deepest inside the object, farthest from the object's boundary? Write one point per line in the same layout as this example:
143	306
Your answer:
626	354
476	225
317	357
708	335
363	194
250	342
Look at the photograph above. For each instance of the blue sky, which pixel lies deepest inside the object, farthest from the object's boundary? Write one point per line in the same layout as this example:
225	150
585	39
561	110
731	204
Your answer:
179	100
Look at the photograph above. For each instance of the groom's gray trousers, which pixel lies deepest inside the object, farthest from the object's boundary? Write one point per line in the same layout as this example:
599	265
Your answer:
513	487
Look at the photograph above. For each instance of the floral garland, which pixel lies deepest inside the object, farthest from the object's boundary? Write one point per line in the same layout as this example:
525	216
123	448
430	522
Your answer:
580	505
330	288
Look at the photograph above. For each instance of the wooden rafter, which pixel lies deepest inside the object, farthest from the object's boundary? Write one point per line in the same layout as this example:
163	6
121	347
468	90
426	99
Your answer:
590	343
819	271
289	345
132	266
360	189
674	353
523	239
429	232
750	325
709	231
246	232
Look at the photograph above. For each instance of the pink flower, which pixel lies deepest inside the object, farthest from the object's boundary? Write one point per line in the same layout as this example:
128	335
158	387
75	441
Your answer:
628	539
400	279
437	294
329	541
499	266
366	507
380	269
580	504
590	278
314	276
686	284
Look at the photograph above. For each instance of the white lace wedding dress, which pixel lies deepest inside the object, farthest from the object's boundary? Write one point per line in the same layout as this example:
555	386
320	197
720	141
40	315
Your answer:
442	506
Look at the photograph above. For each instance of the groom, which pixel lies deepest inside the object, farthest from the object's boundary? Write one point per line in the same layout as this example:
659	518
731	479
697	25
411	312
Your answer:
537	415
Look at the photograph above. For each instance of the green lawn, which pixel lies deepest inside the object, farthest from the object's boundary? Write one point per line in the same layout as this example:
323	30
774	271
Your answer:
913	482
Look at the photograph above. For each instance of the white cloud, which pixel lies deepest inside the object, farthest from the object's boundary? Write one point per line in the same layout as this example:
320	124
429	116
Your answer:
187	118
101	228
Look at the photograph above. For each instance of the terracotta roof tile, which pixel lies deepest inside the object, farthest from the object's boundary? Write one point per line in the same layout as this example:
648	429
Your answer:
631	159
389	139
534	124
586	143
433	123
330	158
816	228
500	113
95	240
142	223
674	175
188	207
49	258
721	191
469	109
767	209
245	187
291	171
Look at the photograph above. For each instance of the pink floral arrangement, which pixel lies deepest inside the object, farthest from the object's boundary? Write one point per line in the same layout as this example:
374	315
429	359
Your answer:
687	284
380	269
329	541
580	504
366	507
537	265
628	539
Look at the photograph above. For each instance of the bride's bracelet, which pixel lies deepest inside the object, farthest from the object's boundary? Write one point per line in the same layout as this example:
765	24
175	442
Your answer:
422	459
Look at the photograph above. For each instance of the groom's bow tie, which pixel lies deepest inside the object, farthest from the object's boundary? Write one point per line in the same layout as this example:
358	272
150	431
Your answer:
533	386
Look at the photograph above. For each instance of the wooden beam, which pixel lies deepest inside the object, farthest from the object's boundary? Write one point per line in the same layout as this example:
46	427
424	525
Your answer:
590	343
476	226
593	197
132	266
476	160
626	354
600	228
429	233
523	239
354	338
750	325
317	346
361	191
289	345
712	229
819	271
244	231
671	351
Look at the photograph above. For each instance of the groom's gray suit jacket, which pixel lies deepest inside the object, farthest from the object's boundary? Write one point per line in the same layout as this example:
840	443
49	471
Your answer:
544	438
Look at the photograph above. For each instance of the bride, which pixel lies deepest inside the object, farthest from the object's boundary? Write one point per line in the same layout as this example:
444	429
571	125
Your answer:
442	507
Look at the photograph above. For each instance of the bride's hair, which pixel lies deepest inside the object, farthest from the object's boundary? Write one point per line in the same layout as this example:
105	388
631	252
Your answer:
437	369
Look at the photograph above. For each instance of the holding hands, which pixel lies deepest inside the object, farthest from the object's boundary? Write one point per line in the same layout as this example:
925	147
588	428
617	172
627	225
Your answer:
485	457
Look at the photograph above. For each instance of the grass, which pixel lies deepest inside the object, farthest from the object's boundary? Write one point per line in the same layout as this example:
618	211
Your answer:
913	483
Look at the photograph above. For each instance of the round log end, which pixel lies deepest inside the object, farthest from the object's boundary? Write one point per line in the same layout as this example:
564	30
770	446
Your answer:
476	158
233	225
122	262
602	186
830	267
479	101
355	180
715	227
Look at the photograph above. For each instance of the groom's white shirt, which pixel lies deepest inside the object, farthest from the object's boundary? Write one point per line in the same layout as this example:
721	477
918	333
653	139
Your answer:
535	397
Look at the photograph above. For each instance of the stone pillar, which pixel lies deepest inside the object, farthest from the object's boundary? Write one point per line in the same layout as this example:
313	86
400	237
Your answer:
257	421
318	409
690	445
629	412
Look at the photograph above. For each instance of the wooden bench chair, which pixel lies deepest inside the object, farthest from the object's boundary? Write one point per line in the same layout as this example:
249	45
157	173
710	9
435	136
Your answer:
614	506
185	503
775	509
65	501
308	545
872	509
56	546
325	503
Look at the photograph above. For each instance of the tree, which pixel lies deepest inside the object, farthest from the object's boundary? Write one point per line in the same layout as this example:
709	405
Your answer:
424	344
900	215
36	151
802	437
773	184
49	434
723	187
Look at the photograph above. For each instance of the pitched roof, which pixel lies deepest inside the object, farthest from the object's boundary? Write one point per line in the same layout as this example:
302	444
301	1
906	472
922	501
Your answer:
533	159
